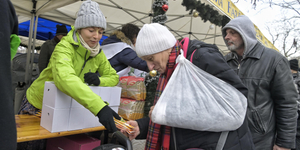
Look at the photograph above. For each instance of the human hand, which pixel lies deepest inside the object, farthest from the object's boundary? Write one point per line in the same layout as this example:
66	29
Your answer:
150	112
136	130
92	78
276	147
105	116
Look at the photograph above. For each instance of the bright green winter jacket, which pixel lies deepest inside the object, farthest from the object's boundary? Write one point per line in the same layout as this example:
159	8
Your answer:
68	64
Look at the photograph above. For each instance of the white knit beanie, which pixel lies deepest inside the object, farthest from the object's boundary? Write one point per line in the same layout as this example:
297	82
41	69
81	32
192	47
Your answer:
90	15
153	38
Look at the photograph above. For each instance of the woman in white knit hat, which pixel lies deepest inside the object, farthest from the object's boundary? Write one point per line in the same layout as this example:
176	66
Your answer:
77	60
159	48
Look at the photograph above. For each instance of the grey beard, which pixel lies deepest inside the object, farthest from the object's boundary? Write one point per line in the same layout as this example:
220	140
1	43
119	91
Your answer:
232	47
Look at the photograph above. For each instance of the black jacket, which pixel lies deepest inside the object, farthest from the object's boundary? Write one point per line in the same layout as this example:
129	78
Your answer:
209	59
272	107
8	26
46	52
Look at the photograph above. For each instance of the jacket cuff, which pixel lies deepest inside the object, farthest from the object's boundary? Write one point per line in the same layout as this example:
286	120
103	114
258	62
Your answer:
143	126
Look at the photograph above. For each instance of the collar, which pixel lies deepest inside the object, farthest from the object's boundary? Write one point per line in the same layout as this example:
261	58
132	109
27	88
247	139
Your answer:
83	52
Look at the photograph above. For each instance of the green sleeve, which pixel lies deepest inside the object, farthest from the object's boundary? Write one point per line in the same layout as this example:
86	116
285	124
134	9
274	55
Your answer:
108	75
14	44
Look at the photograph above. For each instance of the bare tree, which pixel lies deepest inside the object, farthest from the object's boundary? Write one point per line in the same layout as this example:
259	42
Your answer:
285	36
292	5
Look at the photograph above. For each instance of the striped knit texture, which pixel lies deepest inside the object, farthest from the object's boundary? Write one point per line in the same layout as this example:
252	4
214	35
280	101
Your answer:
90	15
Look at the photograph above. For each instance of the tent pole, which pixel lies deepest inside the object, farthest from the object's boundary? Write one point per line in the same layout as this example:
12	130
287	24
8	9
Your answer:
29	51
190	33
33	48
215	35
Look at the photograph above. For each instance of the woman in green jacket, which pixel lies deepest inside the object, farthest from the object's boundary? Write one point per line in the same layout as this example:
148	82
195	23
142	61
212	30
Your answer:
74	62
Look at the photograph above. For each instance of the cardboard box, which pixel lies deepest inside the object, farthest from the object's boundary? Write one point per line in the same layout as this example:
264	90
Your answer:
55	120
73	142
115	96
54	98
81	118
62	113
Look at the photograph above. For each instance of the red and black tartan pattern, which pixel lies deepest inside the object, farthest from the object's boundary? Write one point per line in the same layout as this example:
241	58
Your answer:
154	135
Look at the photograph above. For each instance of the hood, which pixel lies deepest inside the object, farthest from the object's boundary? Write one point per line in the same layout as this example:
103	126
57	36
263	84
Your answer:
244	26
115	37
120	35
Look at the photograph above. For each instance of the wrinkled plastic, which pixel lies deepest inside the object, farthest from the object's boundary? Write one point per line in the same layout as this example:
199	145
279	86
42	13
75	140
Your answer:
195	99
133	87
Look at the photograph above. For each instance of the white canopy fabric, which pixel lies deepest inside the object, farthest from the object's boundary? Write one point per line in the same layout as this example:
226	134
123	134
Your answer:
119	12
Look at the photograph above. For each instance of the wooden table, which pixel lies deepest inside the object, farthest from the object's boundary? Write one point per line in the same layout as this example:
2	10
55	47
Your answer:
29	129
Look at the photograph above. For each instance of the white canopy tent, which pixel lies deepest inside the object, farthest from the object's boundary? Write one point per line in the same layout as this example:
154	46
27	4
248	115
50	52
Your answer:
118	12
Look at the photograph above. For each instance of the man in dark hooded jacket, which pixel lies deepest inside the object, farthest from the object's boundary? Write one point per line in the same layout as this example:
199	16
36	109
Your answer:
9	26
48	47
272	97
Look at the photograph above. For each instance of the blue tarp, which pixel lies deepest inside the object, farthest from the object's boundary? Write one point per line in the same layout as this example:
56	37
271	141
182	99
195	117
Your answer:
46	29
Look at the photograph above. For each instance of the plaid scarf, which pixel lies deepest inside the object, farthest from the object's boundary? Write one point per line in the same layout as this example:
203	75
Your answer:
154	135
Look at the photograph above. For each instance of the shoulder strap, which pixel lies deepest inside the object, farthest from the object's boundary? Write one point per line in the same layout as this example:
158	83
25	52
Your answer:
222	140
184	43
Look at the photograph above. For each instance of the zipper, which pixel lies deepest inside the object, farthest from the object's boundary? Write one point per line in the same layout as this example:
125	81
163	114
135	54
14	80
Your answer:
239	66
84	62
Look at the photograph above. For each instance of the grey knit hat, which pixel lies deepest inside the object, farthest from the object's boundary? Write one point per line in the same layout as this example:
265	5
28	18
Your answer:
153	38
90	15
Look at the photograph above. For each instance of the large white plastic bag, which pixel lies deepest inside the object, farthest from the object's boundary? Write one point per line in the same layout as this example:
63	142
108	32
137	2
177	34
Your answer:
195	99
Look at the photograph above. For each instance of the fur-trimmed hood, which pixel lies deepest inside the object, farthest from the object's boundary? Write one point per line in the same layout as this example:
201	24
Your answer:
120	35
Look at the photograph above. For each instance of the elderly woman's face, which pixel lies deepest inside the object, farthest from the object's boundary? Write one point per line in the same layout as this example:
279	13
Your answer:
158	61
91	35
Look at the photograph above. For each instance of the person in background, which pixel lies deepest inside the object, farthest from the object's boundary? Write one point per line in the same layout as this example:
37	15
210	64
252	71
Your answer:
294	66
9	26
158	47
48	46
74	62
119	50
272	97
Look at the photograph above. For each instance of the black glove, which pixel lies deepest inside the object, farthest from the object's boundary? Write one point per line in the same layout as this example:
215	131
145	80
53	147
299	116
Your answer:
92	78
105	116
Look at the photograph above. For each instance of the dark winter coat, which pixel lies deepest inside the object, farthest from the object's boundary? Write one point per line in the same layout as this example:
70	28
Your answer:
212	61
8	26
124	57
272	107
296	78
45	54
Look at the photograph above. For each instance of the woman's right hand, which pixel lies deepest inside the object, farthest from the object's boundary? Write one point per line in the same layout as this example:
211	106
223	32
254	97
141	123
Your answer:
136	130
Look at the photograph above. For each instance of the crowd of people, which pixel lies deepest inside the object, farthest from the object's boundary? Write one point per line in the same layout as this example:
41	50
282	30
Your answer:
74	59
